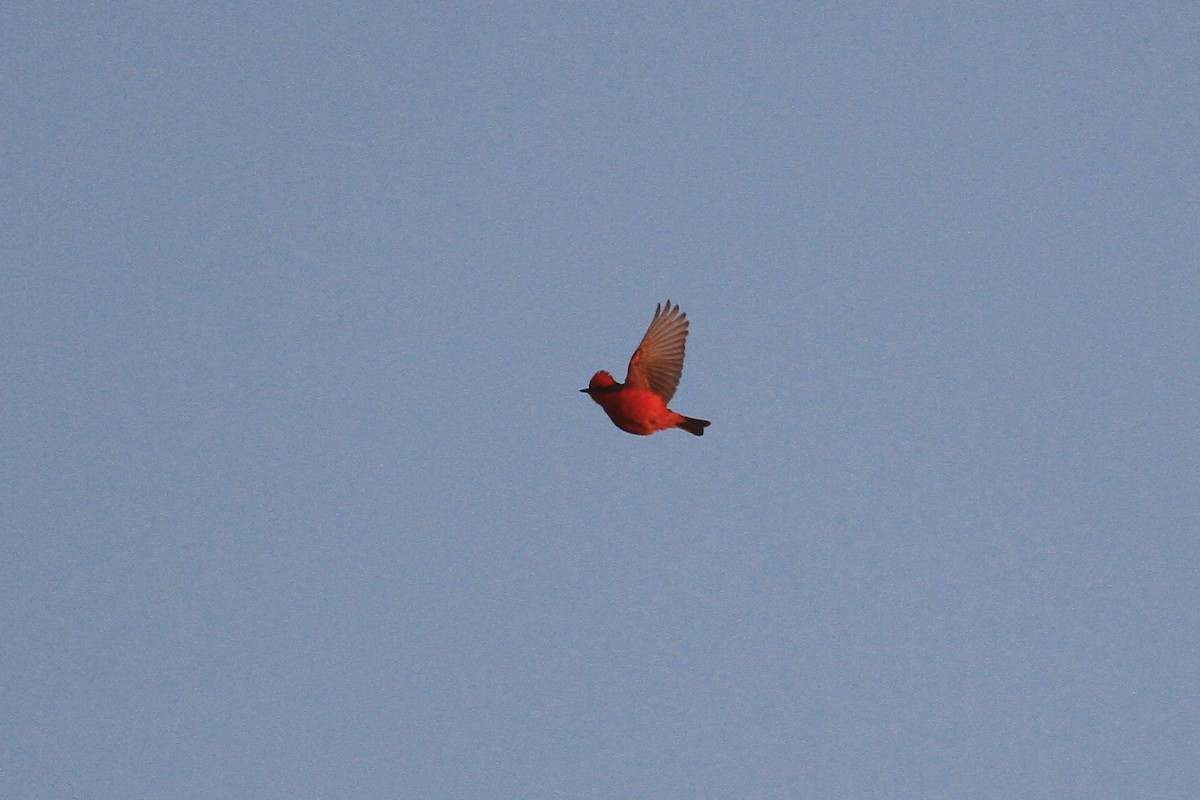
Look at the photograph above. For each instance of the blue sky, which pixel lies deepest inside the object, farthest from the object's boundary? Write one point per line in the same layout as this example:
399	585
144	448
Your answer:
299	497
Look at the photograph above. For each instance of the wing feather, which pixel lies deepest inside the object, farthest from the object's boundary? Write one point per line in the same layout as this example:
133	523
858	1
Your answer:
658	361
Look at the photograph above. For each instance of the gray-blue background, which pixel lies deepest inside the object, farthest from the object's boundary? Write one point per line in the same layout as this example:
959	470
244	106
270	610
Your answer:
299	497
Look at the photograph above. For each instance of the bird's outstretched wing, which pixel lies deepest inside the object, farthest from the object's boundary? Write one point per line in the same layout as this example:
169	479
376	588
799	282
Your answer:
658	361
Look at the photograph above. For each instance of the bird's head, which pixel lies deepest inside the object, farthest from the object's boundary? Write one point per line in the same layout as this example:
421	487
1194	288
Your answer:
599	382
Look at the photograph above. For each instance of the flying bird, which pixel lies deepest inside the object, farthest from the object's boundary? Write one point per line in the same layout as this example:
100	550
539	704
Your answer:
639	405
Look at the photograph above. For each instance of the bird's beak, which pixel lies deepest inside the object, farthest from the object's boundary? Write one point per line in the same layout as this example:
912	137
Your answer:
583	390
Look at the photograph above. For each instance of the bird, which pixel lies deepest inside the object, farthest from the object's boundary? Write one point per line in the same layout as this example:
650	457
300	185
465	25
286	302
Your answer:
639	405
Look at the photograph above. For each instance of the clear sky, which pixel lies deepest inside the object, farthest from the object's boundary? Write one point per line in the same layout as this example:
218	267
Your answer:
300	499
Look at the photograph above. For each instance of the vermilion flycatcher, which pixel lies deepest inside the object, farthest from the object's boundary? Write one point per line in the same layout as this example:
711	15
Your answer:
640	404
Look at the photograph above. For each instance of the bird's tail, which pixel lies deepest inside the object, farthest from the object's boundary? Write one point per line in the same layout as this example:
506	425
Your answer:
693	426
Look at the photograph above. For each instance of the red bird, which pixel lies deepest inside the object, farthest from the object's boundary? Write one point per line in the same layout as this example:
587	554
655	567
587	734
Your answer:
640	404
